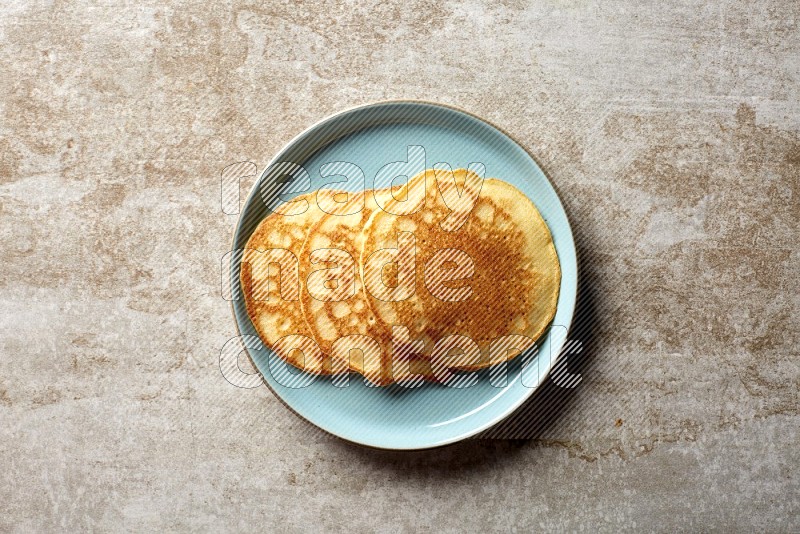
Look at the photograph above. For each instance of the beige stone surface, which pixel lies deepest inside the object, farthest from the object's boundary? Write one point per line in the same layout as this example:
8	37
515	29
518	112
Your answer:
672	131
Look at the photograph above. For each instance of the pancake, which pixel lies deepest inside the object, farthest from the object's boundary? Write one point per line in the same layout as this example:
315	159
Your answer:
335	307
272	293
501	258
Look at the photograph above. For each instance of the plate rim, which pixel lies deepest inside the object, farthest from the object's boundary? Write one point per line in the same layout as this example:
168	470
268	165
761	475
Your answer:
572	304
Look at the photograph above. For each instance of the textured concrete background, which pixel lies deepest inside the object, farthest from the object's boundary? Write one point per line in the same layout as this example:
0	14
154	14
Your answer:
672	131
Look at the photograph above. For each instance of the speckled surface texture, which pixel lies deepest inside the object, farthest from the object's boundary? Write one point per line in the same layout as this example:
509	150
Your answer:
671	130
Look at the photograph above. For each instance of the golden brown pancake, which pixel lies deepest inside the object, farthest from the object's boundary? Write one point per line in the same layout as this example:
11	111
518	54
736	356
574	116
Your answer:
511	288
334	306
272	293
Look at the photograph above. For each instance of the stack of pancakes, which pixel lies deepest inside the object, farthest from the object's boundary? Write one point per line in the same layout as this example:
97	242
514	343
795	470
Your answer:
482	287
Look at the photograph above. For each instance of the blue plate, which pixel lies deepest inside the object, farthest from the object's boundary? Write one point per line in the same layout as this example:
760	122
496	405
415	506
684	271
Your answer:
431	415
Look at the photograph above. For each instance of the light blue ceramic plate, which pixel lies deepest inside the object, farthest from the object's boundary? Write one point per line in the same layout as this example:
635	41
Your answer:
431	415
